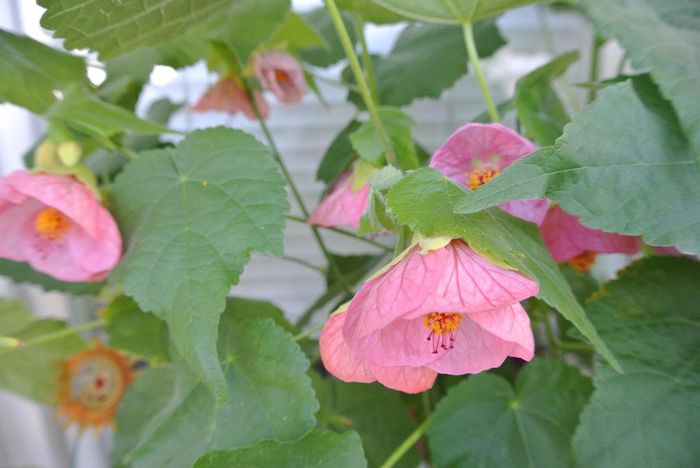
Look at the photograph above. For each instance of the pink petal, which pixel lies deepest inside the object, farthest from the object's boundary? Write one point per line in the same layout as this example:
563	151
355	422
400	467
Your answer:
291	89
529	210
341	206
13	218
405	379
510	324
227	95
450	279
566	237
474	145
337	356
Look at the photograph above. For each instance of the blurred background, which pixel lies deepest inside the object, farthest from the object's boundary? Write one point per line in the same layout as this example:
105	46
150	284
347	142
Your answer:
29	434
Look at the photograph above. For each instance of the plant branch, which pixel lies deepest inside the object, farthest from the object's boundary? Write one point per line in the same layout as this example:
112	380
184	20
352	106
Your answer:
58	334
359	25
595	62
345	233
309	332
301	261
474	59
406	445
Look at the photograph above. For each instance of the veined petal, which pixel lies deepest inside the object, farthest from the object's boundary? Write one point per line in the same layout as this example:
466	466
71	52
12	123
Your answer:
342	206
337	356
534	210
405	379
512	324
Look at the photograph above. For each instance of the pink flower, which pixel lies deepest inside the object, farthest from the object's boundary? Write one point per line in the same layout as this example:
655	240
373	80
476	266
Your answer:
281	74
447	310
227	95
343	205
476	153
56	224
569	240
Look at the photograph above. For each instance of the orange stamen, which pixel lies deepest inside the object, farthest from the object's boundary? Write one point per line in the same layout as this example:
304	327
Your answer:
442	327
479	176
282	77
583	261
51	224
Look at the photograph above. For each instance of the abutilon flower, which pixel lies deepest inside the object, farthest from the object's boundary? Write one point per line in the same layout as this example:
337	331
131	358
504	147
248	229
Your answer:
344	205
445	310
228	95
476	153
91	386
570	241
280	73
56	224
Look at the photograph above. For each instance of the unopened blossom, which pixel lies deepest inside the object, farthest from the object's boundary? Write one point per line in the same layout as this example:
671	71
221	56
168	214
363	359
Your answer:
570	241
447	310
344	205
280	73
56	224
228	95
476	153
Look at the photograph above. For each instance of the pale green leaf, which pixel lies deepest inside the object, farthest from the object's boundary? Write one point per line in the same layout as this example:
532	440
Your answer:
296	33
397	125
450	11
370	11
333	53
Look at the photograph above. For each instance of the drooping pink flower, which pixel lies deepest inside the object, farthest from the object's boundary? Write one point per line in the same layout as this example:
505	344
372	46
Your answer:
281	73
476	153
56	224
447	311
228	95
343	205
570	241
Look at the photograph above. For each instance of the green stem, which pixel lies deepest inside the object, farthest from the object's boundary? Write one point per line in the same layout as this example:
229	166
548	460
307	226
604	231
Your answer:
425	398
303	262
309	332
344	232
406	445
404	232
366	57
593	70
622	63
573	346
360	79
58	334
297	196
474	59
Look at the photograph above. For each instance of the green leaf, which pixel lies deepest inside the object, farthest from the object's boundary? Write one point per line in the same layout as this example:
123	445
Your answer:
32	371
319	449
296	33
191	216
239	308
133	330
450	11
640	177
370	11
486	422
540	111
425	200
664	38
22	273
169	418
30	71
338	156
397	126
401	76
647	416
333	53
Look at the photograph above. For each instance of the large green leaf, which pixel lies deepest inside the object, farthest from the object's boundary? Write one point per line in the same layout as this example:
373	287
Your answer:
296	33
31	370
191	216
397	127
640	176
325	56
662	37
450	11
133	330
22	273
319	449
648	415
169	418
540	111
30	71
370	11
484	422
425	200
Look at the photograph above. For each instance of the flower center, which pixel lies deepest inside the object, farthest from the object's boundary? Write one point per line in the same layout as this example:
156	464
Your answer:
442	329
51	224
282	77
479	176
583	261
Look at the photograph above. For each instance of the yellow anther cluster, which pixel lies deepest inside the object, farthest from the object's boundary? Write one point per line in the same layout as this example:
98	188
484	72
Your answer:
51	224
583	261
442	324
480	176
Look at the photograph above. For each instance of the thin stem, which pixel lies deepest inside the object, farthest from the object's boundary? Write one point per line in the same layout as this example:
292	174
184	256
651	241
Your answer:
345	233
474	59
301	261
573	346
339	84
366	57
405	445
425	399
593	70
297	196
360	79
58	334
401	241
623	62
309	332
554	342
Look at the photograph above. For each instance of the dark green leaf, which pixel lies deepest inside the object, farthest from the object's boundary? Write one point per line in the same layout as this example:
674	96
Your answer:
32	371
22	273
333	53
133	330
450	11
239	308
648	415
639	178
191	216
338	156
486	422
319	449
30	71
425	200
169	418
